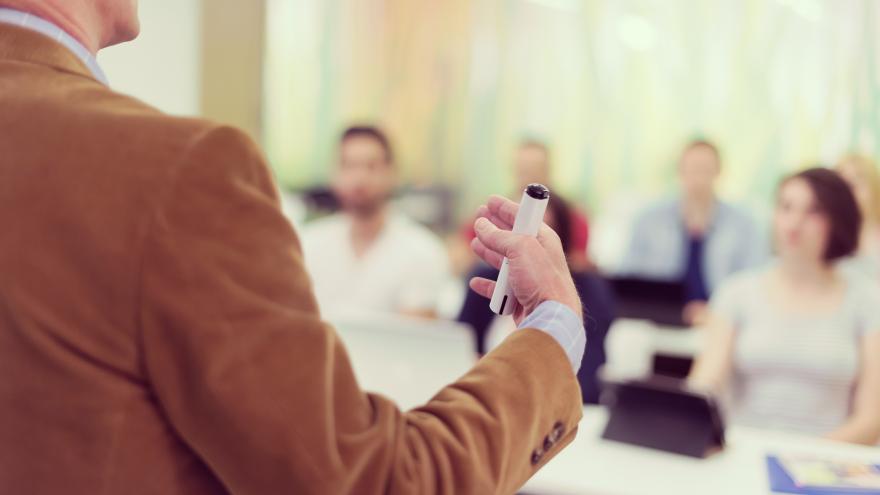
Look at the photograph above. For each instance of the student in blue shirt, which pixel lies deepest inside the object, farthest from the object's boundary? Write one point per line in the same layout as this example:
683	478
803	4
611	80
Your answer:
694	238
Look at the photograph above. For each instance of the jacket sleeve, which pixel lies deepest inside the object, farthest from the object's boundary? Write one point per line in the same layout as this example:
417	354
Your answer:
262	390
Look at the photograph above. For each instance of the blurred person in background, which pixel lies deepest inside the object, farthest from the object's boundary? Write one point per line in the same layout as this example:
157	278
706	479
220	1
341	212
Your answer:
532	164
795	345
369	257
861	173
595	293
695	238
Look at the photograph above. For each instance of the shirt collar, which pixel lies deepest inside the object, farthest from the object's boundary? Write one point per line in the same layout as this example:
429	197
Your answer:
42	26
717	214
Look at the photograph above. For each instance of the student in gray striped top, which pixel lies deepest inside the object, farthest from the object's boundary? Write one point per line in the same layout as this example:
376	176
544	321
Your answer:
796	345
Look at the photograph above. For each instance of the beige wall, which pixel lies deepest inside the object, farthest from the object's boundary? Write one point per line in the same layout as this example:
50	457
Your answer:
233	34
196	57
162	66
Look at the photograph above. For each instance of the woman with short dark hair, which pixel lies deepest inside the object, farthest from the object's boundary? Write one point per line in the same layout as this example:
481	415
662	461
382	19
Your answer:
796	345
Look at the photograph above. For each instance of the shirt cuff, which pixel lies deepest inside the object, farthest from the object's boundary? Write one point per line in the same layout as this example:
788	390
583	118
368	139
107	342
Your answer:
561	323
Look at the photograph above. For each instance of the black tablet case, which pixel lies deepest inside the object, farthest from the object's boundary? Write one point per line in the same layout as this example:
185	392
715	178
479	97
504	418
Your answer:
663	415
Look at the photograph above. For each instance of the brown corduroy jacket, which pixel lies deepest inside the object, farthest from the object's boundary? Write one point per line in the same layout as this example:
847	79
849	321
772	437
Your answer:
158	334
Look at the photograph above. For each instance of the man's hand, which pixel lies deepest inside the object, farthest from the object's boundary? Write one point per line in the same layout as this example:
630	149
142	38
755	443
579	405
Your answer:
538	270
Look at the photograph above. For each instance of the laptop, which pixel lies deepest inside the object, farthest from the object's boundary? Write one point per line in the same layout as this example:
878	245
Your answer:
661	302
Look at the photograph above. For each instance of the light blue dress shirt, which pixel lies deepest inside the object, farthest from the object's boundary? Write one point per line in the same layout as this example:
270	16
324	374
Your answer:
44	27
658	249
561	323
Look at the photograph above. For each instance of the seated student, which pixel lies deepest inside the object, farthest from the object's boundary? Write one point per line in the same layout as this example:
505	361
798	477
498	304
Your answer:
593	290
370	257
795	345
694	238
532	164
864	179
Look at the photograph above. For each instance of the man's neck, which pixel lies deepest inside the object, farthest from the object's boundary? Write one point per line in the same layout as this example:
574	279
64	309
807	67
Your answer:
702	201
698	212
365	229
58	14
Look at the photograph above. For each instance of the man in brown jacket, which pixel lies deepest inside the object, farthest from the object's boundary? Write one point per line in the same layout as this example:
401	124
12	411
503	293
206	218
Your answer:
158	334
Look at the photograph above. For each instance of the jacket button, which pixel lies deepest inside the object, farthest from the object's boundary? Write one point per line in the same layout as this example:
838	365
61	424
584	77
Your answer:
556	434
537	455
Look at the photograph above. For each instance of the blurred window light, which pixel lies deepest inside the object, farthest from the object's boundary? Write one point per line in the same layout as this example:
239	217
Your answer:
636	32
810	10
557	4
615	85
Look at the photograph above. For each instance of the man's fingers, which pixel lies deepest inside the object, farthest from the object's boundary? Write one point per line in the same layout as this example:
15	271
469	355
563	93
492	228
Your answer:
503	208
483	286
491	257
484	212
502	212
549	238
495	239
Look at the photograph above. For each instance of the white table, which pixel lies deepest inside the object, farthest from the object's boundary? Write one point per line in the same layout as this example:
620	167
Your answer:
410	360
406	359
591	465
632	344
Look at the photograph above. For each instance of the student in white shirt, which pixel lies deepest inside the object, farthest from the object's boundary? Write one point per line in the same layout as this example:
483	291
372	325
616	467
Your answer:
796	345
369	257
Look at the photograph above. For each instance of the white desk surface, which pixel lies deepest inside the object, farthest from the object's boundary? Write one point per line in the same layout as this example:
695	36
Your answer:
591	465
410	361
632	344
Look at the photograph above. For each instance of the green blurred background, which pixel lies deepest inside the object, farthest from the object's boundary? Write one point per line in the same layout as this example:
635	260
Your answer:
614	86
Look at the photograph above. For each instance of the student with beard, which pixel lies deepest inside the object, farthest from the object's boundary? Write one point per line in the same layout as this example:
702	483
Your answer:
369	257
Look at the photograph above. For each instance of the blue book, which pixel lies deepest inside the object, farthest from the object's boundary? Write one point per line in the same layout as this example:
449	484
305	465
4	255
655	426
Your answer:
818	477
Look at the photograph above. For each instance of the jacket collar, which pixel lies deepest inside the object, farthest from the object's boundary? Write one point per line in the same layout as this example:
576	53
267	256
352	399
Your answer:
20	44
